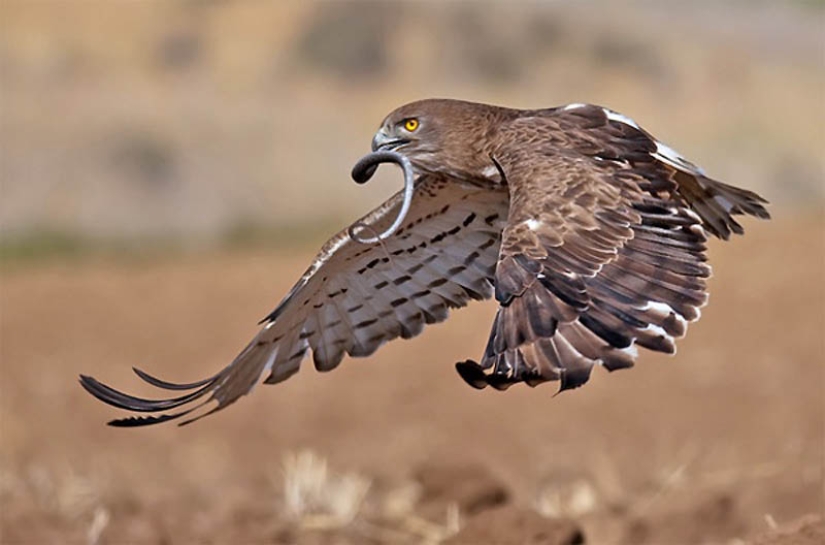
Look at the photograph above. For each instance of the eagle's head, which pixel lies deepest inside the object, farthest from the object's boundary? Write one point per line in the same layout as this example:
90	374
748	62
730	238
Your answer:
442	136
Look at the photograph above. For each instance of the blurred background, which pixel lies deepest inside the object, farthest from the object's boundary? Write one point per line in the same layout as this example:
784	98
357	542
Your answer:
168	169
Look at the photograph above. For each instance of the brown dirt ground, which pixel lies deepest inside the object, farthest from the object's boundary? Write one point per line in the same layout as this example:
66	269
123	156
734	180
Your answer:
721	444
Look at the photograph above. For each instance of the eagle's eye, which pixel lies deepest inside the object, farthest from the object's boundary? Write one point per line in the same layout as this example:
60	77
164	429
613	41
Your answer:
411	124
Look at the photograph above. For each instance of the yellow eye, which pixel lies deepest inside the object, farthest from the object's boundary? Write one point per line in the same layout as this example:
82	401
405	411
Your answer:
411	124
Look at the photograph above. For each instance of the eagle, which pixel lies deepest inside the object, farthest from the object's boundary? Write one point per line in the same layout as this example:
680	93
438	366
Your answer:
589	233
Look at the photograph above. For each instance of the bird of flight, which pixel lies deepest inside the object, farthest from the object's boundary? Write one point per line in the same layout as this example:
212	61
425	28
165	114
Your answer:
588	231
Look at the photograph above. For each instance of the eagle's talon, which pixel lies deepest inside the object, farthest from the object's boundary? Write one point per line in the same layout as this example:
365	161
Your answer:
472	374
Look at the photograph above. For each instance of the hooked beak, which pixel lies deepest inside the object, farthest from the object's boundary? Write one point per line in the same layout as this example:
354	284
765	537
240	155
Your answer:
383	141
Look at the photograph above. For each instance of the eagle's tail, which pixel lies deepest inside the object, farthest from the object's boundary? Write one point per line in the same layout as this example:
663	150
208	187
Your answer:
716	203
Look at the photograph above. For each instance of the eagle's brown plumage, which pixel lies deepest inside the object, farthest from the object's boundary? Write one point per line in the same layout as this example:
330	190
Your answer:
588	231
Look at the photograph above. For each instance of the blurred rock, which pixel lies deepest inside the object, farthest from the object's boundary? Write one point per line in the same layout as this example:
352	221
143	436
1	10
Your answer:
348	39
801	179
143	159
475	46
617	51
468	486
515	526
719	516
180	50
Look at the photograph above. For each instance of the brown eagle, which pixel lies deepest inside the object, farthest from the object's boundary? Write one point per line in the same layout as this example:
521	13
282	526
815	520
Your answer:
588	231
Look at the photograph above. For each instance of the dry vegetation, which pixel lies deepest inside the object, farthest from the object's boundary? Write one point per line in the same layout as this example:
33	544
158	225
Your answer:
154	127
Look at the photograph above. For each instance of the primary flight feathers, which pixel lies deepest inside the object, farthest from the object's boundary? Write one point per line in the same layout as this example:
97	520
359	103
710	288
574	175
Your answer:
589	233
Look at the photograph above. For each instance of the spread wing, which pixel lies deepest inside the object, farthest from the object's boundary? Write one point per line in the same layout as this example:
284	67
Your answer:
604	251
355	297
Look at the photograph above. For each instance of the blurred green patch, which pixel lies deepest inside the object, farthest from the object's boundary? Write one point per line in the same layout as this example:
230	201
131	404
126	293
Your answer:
46	245
286	237
42	244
